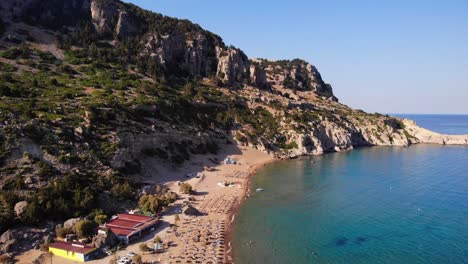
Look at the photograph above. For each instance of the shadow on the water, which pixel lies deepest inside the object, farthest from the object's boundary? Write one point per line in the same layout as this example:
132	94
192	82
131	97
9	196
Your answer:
341	241
360	239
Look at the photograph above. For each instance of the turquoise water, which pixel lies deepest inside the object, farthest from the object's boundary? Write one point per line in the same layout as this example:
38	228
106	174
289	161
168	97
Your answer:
370	205
446	124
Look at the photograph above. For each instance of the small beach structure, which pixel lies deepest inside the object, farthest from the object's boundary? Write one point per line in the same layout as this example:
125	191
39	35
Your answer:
73	250
129	227
229	160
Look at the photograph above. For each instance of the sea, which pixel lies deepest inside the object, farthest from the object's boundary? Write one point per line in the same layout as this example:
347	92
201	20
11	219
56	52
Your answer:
369	205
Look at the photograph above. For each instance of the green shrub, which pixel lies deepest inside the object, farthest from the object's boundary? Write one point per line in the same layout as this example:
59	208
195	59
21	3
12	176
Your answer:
85	228
185	188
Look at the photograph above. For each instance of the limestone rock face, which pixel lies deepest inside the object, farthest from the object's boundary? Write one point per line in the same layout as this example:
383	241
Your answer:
233	66
109	19
258	76
182	53
126	25
296	74
20	207
104	17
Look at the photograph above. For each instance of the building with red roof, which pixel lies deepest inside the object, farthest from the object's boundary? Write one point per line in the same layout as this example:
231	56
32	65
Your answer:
72	250
129	227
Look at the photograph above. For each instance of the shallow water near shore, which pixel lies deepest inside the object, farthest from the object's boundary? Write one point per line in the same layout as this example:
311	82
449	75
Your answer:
370	205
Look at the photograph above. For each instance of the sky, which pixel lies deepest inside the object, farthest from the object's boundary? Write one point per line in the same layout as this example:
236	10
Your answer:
400	56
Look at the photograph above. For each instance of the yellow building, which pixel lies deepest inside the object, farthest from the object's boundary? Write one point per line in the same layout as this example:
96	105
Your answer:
72	250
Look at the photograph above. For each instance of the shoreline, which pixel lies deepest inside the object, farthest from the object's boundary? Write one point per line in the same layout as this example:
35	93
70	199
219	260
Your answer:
226	201
229	258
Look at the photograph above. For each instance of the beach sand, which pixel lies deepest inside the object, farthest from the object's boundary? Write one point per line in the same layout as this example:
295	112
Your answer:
197	239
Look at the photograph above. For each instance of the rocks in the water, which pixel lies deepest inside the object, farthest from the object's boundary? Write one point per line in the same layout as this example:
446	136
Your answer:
20	207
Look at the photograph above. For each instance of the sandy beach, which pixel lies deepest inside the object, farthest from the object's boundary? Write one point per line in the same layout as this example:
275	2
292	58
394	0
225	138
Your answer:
196	239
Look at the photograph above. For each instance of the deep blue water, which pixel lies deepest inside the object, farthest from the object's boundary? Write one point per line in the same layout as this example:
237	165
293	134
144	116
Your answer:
370	205
445	124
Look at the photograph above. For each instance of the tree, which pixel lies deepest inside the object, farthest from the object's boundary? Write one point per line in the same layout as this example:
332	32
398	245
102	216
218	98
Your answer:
122	191
85	228
143	247
186	188
101	219
157	240
149	203
62	232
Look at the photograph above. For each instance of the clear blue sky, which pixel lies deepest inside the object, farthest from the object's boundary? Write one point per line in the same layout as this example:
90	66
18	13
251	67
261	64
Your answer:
400	56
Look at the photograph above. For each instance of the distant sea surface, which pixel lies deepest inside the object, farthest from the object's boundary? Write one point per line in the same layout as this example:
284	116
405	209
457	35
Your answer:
369	205
445	124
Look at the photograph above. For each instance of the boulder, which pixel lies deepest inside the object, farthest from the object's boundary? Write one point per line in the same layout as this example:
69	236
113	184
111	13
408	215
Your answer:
29	180
109	240
8	246
70	223
20	207
190	210
7	235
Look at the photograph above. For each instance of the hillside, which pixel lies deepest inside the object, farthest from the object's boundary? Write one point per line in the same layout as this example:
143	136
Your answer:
96	95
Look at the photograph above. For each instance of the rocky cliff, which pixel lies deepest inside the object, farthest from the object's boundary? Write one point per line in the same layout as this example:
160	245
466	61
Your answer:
171	46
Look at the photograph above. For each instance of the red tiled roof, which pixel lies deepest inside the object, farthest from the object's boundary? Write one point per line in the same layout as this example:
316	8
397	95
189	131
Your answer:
73	247
121	231
134	217
123	223
126	224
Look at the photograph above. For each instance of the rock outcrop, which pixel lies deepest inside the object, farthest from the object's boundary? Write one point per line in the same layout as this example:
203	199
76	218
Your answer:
296	75
258	76
181	53
20	207
109	19
17	240
422	135
70	223
233	66
170	46
109	240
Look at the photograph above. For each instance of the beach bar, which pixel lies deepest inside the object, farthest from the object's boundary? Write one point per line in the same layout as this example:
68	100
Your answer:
72	250
129	227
